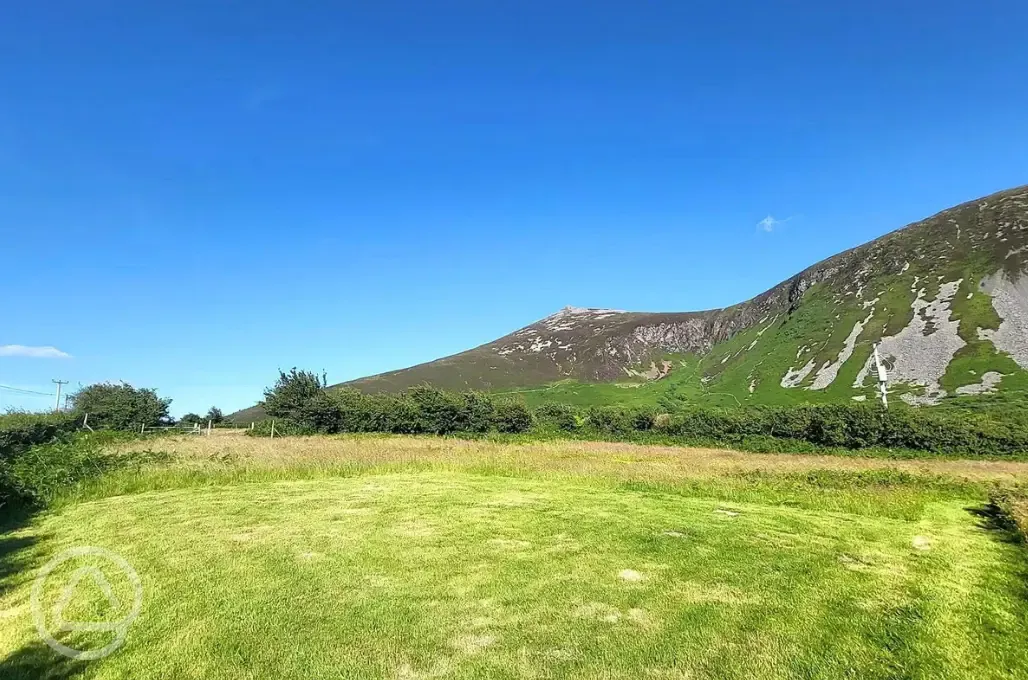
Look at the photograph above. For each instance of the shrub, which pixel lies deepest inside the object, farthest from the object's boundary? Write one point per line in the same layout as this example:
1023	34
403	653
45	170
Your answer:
662	421
642	419
610	419
37	476
703	423
290	393
477	413
320	413
20	431
190	419
512	417
357	412
788	423
439	412
828	425
121	406
558	416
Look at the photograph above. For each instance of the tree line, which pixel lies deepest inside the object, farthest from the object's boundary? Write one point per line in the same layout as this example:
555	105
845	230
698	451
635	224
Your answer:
301	405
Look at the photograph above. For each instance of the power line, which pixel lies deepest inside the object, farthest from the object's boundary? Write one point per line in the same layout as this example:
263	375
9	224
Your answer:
10	388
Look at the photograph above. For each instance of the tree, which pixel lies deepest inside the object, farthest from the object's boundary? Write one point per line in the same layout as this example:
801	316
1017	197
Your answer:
190	419
215	415
121	406
292	392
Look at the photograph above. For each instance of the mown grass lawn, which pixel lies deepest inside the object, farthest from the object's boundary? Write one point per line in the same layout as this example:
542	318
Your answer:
449	573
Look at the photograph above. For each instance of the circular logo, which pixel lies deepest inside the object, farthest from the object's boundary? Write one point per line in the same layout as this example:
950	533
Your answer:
95	561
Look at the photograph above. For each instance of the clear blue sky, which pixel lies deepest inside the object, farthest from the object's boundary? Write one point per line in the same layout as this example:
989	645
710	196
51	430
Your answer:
193	194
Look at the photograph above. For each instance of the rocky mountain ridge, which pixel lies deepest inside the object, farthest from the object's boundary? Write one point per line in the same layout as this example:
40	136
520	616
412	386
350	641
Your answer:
926	292
945	299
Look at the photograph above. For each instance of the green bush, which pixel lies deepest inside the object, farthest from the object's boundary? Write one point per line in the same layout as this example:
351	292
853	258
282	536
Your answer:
290	393
610	419
512	417
477	412
357	412
439	412
829	425
191	419
20	431
36	476
857	426
558	416
121	406
321	413
401	415
643	418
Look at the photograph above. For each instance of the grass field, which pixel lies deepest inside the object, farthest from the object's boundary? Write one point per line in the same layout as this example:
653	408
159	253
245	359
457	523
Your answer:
383	557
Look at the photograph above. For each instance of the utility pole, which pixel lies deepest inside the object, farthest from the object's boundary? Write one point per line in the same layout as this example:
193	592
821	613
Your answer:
59	383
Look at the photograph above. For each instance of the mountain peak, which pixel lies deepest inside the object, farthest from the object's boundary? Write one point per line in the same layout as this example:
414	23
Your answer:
944	296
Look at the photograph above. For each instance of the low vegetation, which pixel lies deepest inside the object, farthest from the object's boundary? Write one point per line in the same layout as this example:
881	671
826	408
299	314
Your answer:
300	405
19	434
407	557
42	454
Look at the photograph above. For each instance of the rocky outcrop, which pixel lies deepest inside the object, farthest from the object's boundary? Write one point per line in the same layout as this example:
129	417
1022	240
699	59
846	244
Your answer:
607	345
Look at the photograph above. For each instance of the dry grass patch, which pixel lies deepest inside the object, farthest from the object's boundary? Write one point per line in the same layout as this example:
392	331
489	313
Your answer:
583	458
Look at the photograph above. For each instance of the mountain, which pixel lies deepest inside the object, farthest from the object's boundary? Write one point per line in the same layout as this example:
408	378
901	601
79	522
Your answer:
946	298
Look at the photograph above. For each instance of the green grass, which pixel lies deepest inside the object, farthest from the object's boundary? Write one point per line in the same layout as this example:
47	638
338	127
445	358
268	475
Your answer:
447	565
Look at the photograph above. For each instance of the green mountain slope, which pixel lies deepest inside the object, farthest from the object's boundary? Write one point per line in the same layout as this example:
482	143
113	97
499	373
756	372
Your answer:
945	297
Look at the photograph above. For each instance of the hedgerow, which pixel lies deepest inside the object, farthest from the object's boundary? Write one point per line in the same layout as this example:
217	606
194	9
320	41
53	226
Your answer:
43	454
427	410
20	431
38	475
420	410
857	427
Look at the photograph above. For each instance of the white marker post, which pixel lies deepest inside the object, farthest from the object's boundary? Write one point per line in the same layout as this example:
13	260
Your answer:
883	378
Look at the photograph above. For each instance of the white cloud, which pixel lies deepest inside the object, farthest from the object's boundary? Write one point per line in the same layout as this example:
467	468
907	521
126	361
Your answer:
32	352
770	223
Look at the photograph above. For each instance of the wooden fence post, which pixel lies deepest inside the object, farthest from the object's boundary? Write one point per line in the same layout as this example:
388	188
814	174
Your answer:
272	429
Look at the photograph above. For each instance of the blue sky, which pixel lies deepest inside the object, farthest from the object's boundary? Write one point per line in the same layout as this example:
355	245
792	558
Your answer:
193	194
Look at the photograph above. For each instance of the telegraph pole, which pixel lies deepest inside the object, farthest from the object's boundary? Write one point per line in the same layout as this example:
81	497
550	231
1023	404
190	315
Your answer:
59	383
